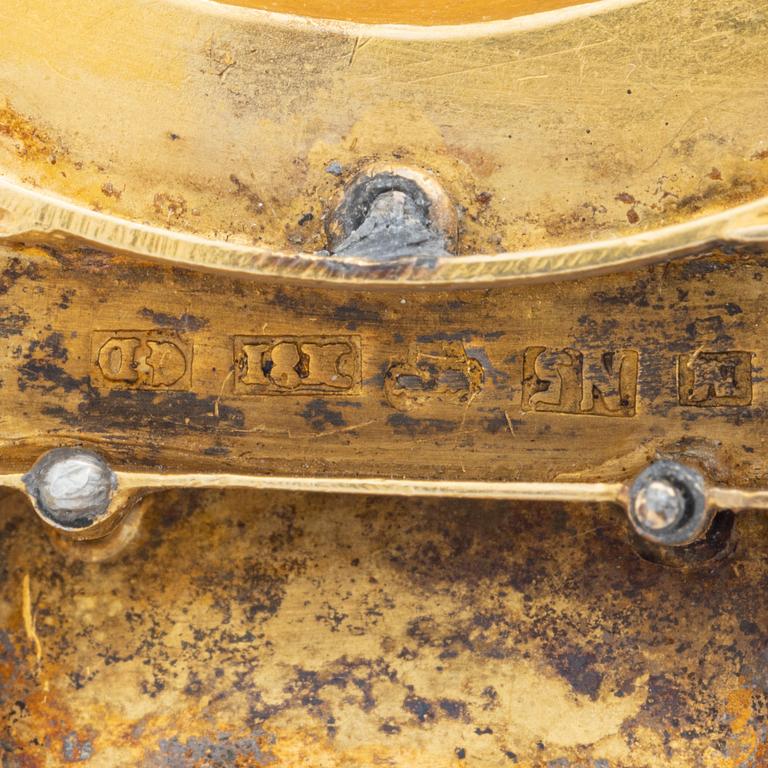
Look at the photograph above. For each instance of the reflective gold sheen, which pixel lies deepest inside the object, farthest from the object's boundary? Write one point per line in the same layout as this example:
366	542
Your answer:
169	173
589	138
421	12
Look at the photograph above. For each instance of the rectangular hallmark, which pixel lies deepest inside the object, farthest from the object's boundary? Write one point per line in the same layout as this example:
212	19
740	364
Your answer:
711	379
298	365
566	381
154	359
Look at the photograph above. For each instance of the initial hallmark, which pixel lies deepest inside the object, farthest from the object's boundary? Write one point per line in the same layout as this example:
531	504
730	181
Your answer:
567	381
298	365
153	359
711	379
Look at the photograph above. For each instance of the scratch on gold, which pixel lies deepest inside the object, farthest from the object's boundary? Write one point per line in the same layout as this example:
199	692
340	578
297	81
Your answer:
29	619
221	393
350	428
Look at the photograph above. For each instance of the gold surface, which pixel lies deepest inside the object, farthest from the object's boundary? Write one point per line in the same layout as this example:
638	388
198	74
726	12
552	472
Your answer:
34	217
185	371
155	156
421	12
568	140
290	630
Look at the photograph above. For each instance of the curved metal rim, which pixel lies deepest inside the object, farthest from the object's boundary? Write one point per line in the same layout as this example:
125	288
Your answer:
28	215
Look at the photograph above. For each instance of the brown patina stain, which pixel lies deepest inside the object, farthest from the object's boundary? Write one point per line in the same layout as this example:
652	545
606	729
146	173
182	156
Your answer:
288	630
30	140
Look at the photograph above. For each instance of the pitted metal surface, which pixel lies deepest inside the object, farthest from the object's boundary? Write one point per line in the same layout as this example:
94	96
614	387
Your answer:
287	630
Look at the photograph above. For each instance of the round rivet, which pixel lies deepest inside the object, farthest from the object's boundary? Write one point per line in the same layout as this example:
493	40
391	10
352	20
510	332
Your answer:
660	505
667	504
71	488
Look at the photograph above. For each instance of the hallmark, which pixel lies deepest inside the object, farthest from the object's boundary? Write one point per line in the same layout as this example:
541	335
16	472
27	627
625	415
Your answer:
154	359
567	381
297	365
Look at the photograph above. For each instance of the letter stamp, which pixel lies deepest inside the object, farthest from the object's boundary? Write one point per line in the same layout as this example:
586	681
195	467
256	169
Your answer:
567	381
154	359
712	379
297	365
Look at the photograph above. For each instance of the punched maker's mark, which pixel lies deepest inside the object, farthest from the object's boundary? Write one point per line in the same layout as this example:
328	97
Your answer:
445	374
297	365
568	381
148	359
712	379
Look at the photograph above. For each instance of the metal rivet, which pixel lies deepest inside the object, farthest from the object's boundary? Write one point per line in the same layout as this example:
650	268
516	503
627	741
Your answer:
667	504
660	505
71	488
387	213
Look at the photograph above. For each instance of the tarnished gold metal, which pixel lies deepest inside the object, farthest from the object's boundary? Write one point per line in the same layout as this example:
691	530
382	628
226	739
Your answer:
171	176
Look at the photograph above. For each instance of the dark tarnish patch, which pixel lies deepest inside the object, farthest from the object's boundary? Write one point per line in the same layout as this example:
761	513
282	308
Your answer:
667	700
352	315
169	413
713	329
217	450
702	266
497	422
289	301
174	412
421	709
425	710
66	298
13	320
42	367
356	676
467	335
260	594
581	669
632	296
321	416
406	425
181	324
454	709
15	271
222	751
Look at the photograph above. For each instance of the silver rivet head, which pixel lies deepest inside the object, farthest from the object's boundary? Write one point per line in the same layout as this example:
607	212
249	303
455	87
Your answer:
71	487
667	504
659	505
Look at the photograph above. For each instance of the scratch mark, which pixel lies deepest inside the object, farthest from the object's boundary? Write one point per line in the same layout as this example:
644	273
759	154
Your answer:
493	65
706	108
221	393
350	428
358	45
531	77
464	419
29	619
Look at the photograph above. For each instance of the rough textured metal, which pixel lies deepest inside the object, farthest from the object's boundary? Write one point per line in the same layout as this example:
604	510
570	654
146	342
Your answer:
286	630
243	629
